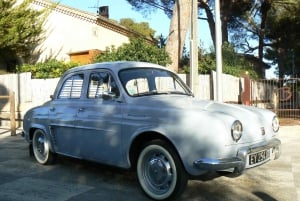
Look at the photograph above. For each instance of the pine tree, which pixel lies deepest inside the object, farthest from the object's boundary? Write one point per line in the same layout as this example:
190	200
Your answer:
20	30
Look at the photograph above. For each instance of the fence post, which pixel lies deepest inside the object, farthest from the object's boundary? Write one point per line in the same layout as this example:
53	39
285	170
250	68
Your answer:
12	113
246	94
276	101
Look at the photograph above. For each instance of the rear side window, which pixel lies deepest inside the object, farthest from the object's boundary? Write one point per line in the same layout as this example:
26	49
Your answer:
72	87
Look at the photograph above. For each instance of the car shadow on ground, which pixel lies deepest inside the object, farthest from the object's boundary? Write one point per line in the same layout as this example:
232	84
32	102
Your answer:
210	186
266	183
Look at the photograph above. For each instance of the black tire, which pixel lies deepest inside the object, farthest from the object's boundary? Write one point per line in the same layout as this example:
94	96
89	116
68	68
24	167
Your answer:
160	172
30	150
41	148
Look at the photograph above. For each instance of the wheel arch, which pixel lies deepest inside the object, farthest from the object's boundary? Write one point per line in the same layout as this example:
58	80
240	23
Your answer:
35	127
139	142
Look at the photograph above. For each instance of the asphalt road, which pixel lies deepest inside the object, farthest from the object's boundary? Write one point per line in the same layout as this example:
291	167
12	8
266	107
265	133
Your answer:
22	179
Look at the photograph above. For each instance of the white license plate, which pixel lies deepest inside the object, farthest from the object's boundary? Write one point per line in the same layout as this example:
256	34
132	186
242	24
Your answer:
258	158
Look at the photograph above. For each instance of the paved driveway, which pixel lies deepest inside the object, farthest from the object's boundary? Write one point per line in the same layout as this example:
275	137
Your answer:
22	179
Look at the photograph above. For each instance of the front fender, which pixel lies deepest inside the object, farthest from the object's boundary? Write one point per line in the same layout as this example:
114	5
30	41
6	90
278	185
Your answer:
202	134
193	135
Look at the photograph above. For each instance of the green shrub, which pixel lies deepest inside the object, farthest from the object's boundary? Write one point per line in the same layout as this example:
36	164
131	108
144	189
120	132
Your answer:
136	50
48	69
233	63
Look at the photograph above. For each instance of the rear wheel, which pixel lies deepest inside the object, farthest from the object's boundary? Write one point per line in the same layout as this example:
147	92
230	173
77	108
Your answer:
40	147
160	171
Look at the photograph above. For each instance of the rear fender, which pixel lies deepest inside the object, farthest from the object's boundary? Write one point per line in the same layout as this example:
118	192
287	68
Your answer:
46	130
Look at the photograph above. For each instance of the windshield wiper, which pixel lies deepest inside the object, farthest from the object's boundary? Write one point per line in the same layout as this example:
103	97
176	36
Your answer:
148	93
154	92
180	93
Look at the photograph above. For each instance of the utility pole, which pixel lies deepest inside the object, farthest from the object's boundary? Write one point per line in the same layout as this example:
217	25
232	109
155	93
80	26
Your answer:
219	97
194	85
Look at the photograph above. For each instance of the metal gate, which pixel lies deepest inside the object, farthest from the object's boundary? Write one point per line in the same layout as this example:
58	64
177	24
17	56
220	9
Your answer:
280	95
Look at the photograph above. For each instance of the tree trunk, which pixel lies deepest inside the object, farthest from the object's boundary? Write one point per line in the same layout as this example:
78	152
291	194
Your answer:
225	12
265	7
281	56
178	30
210	20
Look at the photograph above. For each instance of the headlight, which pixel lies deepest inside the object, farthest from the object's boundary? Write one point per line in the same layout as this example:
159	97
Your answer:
275	124
236	130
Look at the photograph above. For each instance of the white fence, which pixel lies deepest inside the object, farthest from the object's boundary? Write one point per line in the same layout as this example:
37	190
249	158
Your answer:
33	92
28	92
232	87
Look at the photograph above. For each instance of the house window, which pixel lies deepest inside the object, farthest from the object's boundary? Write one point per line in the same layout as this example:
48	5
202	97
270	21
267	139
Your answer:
72	87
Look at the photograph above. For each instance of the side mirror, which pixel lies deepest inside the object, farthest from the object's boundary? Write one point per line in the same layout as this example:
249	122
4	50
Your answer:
51	97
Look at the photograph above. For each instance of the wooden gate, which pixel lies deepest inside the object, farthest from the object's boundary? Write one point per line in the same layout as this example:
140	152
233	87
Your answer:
12	115
280	95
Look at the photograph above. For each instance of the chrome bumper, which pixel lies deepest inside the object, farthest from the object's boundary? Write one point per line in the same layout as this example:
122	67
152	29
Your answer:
239	163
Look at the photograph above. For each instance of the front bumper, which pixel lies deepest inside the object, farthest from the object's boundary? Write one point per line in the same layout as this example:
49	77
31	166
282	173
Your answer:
239	163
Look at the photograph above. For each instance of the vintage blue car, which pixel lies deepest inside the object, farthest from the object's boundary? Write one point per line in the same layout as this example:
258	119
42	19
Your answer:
142	116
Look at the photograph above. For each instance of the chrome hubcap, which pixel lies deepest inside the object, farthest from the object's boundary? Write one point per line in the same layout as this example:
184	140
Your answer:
41	145
159	172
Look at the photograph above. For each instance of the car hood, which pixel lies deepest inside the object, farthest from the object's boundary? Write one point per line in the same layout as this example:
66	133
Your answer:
191	103
255	121
172	101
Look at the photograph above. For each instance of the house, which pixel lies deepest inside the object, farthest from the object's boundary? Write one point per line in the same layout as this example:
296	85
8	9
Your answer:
75	35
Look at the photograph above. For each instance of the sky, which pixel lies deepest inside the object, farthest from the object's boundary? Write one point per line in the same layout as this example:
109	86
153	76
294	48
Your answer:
119	9
157	20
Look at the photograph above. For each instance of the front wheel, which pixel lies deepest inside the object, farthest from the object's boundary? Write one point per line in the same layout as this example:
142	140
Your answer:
160	171
40	147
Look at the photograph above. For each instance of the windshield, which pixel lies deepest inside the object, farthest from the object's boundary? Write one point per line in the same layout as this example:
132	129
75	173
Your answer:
152	81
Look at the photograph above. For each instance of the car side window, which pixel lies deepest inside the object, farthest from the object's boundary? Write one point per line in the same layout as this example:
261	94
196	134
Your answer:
72	87
101	84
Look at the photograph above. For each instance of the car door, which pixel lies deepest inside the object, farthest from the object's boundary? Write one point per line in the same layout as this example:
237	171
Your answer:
62	114
99	119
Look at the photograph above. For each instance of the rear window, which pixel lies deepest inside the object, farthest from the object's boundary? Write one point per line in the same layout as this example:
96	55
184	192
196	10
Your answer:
72	87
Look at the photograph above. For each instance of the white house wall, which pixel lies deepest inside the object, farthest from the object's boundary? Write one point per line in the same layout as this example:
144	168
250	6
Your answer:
69	30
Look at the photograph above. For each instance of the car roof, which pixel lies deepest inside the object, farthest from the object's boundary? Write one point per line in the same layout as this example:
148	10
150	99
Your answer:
115	66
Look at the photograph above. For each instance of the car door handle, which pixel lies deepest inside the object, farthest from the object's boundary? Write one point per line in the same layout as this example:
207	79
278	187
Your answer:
137	116
52	109
81	109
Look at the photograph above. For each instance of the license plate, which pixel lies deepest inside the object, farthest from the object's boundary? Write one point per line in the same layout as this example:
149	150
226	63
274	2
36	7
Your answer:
258	158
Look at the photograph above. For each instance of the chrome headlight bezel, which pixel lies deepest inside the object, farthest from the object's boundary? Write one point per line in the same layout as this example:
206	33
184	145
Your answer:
275	124
236	130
